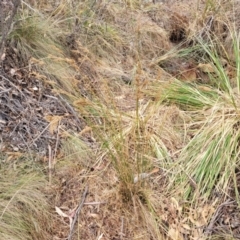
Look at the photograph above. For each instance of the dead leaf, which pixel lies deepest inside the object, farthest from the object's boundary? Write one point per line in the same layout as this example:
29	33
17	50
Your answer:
81	102
174	234
175	202
140	176
93	215
60	212
14	154
155	170
186	226
70	216
206	68
85	130
189	75
205	88
53	122
3	56
12	71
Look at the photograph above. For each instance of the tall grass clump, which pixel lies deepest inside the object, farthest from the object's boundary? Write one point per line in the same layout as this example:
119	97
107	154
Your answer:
39	40
126	145
209	162
138	138
24	210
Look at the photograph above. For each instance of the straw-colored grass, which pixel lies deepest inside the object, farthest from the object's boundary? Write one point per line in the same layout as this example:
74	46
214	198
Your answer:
24	209
155	150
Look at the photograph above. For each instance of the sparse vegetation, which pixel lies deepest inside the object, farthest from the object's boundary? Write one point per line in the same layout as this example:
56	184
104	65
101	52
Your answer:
137	100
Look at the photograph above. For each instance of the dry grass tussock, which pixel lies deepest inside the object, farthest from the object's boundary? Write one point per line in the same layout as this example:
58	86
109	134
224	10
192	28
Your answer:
159	155
24	208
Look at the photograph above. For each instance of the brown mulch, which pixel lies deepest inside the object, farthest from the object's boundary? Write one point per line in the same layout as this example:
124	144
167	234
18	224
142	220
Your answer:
25	102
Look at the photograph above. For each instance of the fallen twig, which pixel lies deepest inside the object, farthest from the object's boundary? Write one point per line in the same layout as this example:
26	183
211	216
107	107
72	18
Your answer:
50	167
57	143
122	226
215	217
94	203
77	212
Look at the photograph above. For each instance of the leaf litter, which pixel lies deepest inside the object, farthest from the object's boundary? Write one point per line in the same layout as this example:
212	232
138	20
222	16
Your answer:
30	112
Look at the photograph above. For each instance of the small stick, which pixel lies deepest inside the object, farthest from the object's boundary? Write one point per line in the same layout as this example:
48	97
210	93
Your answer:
50	168
122	226
77	212
56	145
94	203
209	229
